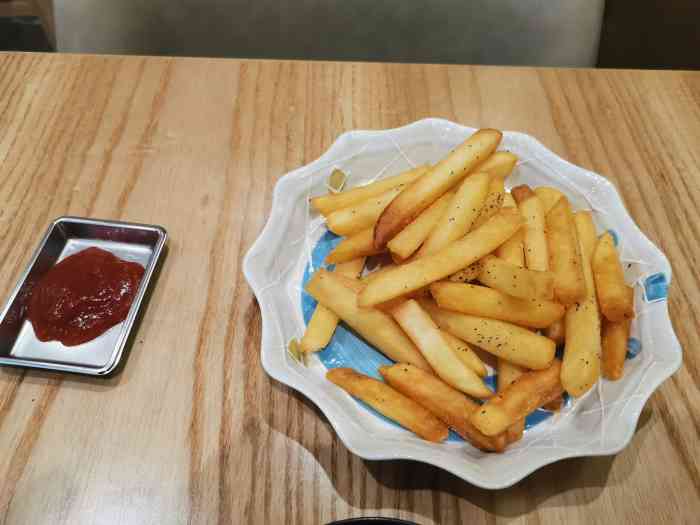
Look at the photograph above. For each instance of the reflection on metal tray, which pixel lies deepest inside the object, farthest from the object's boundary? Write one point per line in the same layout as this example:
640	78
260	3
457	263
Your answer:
19	346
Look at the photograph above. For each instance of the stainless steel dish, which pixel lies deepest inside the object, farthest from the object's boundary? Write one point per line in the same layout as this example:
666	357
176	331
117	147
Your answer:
65	236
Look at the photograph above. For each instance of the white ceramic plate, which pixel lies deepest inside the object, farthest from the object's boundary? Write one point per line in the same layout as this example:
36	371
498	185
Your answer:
295	240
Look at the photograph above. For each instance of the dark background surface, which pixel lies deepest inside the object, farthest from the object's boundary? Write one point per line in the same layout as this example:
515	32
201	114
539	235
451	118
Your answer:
635	34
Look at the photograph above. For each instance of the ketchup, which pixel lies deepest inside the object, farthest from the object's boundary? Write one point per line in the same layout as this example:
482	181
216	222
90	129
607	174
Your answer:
83	296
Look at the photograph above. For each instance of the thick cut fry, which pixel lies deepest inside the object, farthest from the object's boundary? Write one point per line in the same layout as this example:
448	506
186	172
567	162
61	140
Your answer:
377	327
360	216
437	350
512	250
529	391
534	238
466	354
439	179
331	202
500	164
564	254
507	374
548	197
516	281
408	240
323	322
390	403
581	366
492	203
616	303
614	343
421	272
463	210
448	404
359	245
485	302
508	341
556	331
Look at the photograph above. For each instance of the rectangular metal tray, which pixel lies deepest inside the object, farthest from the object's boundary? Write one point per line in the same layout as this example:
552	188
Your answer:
65	236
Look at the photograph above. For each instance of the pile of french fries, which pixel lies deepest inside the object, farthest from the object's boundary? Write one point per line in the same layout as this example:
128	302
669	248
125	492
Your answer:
513	274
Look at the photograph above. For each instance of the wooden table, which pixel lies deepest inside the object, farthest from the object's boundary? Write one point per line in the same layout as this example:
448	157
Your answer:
192	430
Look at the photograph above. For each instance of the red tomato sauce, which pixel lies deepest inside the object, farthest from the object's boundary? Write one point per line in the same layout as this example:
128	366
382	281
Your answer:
83	296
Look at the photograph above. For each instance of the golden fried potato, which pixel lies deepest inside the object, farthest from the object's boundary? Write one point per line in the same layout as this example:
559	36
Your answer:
564	254
535	240
615	300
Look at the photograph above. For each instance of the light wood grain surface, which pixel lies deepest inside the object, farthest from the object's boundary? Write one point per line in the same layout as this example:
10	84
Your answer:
192	430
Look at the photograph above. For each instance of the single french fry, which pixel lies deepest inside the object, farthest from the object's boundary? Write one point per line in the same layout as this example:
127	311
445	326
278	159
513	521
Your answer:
391	403
481	301
493	201
466	354
323	322
449	405
548	197
437	350
614	343
564	254
616	303
358	245
439	179
511	251
556	332
377	327
461	213
500	164
327	204
516	281
459	254
507	374
535	240
360	216
408	240
529	391
582	351
508	341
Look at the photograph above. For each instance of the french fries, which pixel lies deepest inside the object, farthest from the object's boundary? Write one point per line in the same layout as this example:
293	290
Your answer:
437	350
323	322
461	213
500	164
360	216
448	404
408	240
465	354
564	254
516	281
505	340
548	197
614	297
507	374
534	239
459	254
359	245
377	327
390	403
485	302
493	201
468	274
581	365
534	268
614	343
439	179
331	202
529	391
